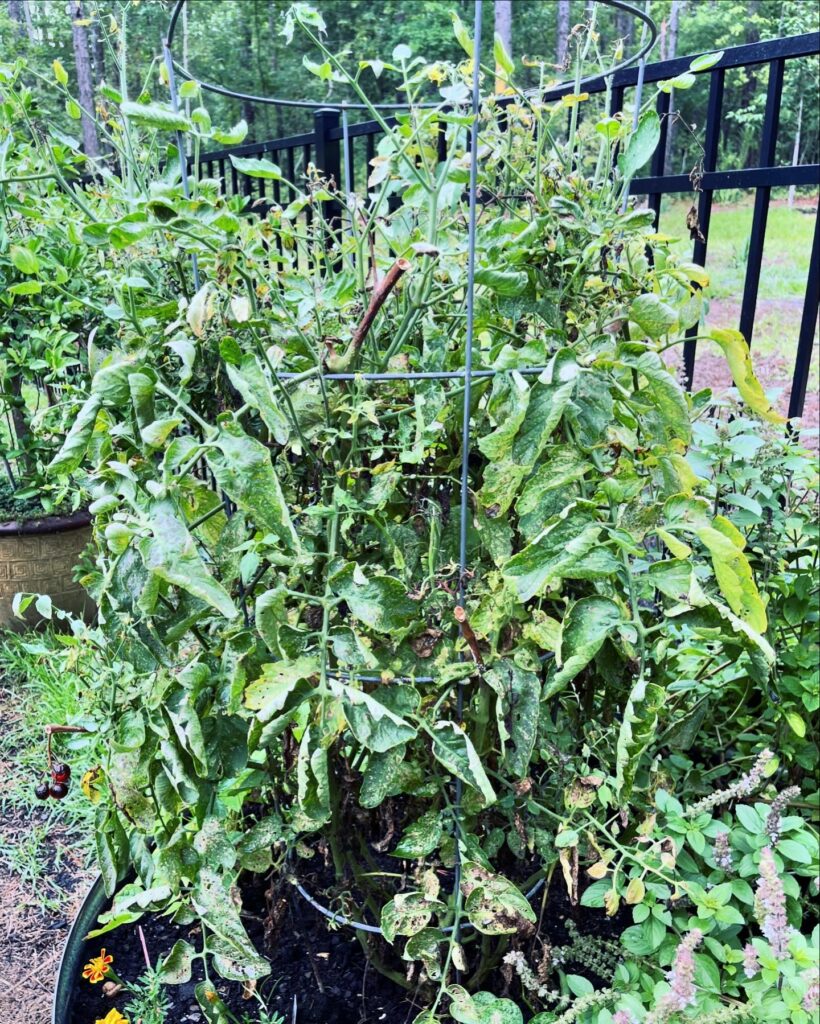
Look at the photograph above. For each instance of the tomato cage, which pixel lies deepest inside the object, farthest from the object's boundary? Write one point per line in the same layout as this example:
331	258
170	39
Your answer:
332	147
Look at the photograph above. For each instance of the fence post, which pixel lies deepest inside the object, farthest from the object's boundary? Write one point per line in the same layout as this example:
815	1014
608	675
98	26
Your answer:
328	162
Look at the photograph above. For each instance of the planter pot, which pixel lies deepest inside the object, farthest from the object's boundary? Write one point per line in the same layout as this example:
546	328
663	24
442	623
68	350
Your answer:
73	958
38	557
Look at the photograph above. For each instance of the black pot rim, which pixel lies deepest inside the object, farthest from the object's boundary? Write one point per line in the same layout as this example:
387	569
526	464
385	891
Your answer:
47	524
68	971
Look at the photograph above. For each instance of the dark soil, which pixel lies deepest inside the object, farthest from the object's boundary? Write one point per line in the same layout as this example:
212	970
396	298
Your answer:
22	510
323	974
320	972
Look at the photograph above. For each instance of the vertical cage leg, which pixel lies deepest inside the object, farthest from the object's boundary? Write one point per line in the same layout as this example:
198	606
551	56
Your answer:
808	323
710	155
762	196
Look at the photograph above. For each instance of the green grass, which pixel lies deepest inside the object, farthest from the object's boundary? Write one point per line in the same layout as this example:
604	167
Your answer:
39	685
786	254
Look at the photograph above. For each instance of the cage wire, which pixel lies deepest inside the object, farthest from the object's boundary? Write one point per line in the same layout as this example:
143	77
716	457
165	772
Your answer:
649	34
649	28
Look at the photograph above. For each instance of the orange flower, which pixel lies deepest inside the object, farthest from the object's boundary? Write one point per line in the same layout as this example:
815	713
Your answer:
97	968
112	1017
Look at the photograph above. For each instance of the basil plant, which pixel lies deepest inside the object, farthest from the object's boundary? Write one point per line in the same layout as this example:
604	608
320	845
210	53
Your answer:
278	548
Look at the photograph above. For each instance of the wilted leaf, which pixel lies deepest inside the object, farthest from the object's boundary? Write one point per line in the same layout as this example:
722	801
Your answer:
243	469
637	730
740	364
452	748
583	631
641	145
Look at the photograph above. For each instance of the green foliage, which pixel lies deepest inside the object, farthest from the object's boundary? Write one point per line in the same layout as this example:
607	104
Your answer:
299	669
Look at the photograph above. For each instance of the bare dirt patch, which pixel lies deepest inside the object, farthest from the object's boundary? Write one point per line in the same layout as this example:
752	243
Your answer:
42	884
774	369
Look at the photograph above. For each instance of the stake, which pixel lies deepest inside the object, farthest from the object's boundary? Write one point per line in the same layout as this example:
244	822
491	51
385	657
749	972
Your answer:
144	945
377	300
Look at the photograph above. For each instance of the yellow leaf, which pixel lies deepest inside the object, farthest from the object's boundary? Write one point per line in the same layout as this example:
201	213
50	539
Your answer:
598	869
677	547
90	784
734	577
612	901
566	871
635	892
686	475
573	99
740	363
728	529
60	72
694	272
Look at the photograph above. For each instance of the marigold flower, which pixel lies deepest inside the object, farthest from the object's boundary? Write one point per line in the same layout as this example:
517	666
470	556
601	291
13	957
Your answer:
97	967
112	1017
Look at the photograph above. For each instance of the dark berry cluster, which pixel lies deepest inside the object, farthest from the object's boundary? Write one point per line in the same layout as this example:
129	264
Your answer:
60	779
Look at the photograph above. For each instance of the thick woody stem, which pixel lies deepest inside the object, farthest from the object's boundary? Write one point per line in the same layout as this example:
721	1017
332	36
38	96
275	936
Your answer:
377	300
467	632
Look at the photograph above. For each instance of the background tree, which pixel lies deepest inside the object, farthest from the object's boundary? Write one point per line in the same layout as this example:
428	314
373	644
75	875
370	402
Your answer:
562	31
238	43
503	29
85	80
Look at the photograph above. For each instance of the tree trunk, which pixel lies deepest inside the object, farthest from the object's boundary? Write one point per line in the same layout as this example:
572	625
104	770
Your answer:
98	51
796	150
246	50
624	26
85	83
28	20
671	53
502	10
16	14
562	32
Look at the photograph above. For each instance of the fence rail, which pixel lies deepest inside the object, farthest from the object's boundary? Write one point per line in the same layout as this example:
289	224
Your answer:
331	147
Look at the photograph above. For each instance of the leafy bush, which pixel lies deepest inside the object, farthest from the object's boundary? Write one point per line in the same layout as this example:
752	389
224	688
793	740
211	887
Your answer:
312	667
47	298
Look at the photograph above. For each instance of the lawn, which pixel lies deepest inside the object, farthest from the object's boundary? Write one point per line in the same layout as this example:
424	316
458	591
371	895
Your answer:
786	256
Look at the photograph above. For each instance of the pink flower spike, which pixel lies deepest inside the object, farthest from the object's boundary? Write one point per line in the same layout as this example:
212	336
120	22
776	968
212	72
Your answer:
681	977
751	965
770	906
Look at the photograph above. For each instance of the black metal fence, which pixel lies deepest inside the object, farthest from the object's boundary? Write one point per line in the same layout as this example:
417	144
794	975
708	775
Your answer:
323	147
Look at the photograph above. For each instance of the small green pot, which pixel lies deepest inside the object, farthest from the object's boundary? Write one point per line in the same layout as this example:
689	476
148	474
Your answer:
71	963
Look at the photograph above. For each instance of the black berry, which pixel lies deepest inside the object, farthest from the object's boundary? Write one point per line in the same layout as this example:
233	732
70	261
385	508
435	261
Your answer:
60	772
59	790
42	791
